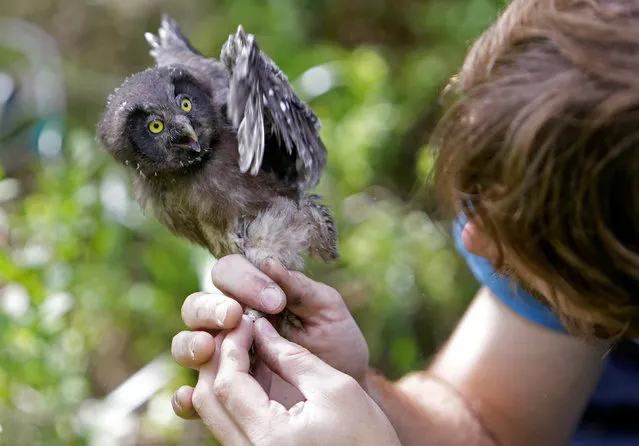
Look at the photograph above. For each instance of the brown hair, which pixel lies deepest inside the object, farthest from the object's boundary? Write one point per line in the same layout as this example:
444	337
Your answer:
542	147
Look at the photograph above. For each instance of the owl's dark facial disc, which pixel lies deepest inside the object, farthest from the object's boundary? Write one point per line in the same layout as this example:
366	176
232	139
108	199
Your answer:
167	121
166	140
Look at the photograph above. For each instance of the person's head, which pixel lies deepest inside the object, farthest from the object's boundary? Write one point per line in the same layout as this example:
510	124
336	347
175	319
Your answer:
541	150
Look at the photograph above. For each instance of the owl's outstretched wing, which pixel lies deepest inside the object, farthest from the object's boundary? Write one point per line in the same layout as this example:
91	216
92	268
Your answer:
262	104
171	47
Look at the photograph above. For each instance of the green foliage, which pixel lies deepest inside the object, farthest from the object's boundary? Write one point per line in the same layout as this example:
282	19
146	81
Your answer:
91	288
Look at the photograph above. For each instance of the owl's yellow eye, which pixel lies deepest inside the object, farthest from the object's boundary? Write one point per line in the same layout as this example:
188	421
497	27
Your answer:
156	126
186	105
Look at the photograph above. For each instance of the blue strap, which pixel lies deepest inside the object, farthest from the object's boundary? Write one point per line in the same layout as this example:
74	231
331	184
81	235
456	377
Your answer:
504	288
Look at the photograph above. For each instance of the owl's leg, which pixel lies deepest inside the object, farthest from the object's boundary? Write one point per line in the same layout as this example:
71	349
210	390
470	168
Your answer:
283	232
323	241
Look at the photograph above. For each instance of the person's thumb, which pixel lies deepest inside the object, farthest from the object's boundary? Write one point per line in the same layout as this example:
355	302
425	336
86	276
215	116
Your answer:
297	365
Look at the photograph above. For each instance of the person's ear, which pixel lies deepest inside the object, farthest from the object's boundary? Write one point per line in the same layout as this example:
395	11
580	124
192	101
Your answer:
476	242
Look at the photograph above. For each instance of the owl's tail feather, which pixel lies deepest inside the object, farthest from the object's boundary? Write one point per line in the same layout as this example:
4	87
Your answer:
169	43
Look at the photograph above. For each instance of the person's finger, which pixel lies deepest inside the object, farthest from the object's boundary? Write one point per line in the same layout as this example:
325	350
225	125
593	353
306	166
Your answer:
235	388
476	242
237	277
305	297
182	403
209	409
192	349
211	311
239	393
297	365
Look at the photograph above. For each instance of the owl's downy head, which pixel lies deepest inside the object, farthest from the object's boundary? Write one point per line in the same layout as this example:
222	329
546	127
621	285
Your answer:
160	120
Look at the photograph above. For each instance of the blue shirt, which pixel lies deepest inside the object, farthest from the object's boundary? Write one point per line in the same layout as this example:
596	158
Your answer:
612	416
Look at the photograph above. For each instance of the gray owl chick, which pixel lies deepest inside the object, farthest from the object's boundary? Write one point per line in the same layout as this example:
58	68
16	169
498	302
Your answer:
222	152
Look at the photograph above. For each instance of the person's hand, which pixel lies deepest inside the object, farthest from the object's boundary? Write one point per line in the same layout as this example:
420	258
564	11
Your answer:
328	331
236	409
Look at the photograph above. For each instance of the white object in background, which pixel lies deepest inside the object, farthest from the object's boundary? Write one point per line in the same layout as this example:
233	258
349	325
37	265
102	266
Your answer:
112	421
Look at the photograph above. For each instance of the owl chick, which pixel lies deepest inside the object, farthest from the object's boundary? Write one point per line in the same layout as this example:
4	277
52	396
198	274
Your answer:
222	152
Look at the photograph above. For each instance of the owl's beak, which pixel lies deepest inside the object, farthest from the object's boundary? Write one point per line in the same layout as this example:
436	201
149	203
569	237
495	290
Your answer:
186	138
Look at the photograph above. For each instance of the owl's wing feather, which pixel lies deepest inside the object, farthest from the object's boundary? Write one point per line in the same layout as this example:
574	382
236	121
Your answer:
261	99
171	47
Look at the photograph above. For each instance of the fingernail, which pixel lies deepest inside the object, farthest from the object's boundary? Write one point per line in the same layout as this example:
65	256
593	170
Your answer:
266	328
271	298
220	313
192	347
176	403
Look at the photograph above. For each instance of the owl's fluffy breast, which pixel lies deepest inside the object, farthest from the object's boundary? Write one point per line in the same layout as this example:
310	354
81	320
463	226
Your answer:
204	203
